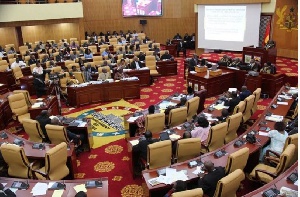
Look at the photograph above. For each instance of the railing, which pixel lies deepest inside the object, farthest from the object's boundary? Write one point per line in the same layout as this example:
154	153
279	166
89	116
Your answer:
36	1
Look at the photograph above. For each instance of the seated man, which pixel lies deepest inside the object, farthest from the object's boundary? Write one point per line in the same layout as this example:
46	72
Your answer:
141	147
104	75
74	69
45	58
236	63
38	69
265	69
17	63
252	65
32	60
155	49
224	61
181	47
166	56
177	36
208	180
44	119
234	101
141	56
244	93
178	186
77	139
136	64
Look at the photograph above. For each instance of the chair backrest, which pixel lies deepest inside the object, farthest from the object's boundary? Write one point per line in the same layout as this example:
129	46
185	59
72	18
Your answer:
234	122
192	107
17	73
26	95
11	60
239	108
33	129
3	62
73	39
155	152
56	69
177	116
18	104
202	95
285	158
69	66
79	76
57	134
150	62
67	62
93	48
237	160
228	185
256	93
249	101
292	139
18	164
97	58
188	149
55	162
32	66
3	67
216	136
155	122
198	192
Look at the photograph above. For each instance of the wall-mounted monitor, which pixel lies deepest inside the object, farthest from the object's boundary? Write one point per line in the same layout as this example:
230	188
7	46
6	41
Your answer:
141	8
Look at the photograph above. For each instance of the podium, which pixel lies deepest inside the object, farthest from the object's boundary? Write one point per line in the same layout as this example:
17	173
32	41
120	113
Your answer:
260	54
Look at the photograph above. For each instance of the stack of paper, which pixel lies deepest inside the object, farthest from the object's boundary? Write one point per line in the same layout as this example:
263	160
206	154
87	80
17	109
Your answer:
132	119
134	142
174	137
198	170
79	188
36	105
282	103
171	176
285	97
39	189
274	118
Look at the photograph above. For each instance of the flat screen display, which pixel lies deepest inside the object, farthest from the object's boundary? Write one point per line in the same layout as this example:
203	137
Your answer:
141	8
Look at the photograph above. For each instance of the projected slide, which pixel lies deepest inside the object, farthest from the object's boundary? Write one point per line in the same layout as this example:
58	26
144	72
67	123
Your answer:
225	23
142	8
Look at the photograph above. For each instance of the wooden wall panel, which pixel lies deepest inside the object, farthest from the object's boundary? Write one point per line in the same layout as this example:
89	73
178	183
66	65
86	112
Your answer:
178	16
8	36
205	2
287	41
50	32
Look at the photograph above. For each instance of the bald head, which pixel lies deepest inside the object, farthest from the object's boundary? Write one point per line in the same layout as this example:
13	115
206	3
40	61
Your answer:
209	166
55	121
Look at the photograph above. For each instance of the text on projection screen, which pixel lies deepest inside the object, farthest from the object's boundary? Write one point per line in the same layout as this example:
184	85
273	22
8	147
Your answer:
225	23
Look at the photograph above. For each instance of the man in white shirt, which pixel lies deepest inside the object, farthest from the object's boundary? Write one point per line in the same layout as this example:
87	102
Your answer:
38	69
1	54
136	64
17	63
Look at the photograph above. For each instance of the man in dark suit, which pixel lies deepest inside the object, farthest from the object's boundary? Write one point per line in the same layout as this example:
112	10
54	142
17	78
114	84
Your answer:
32	60
88	72
181	47
44	119
244	93
142	146
39	85
252	65
141	56
177	36
193	62
234	101
136	64
208	181
166	56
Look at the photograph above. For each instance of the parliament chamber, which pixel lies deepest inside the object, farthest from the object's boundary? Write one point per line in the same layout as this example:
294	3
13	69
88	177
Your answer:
79	78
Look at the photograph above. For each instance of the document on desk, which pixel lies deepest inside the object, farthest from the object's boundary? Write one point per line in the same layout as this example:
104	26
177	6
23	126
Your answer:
221	106
274	118
282	103
134	142
79	188
263	133
285	191
198	170
285	97
82	124
39	189
58	193
174	137
132	119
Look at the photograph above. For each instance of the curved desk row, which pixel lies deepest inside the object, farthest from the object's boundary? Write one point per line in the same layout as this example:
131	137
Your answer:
254	150
69	191
38	154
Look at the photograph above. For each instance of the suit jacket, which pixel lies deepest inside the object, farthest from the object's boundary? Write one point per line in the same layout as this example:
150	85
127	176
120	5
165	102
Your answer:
209	182
253	66
181	47
43	120
32	61
244	94
192	64
141	147
165	56
40	87
232	103
133	66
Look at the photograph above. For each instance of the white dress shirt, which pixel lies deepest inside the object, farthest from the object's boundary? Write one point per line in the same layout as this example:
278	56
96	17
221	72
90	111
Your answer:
38	70
15	64
137	65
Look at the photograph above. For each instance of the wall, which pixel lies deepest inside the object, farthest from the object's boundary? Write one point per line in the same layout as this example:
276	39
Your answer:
178	16
287	41
7	36
27	12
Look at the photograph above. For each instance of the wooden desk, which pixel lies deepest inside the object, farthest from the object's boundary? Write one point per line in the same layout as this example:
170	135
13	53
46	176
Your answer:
68	192
7	77
214	84
254	151
105	92
51	103
172	48
40	154
5	111
143	75
280	181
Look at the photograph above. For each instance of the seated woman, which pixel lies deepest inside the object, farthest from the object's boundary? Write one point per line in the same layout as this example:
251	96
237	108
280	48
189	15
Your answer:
122	64
202	129
278	137
88	54
140	121
120	74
